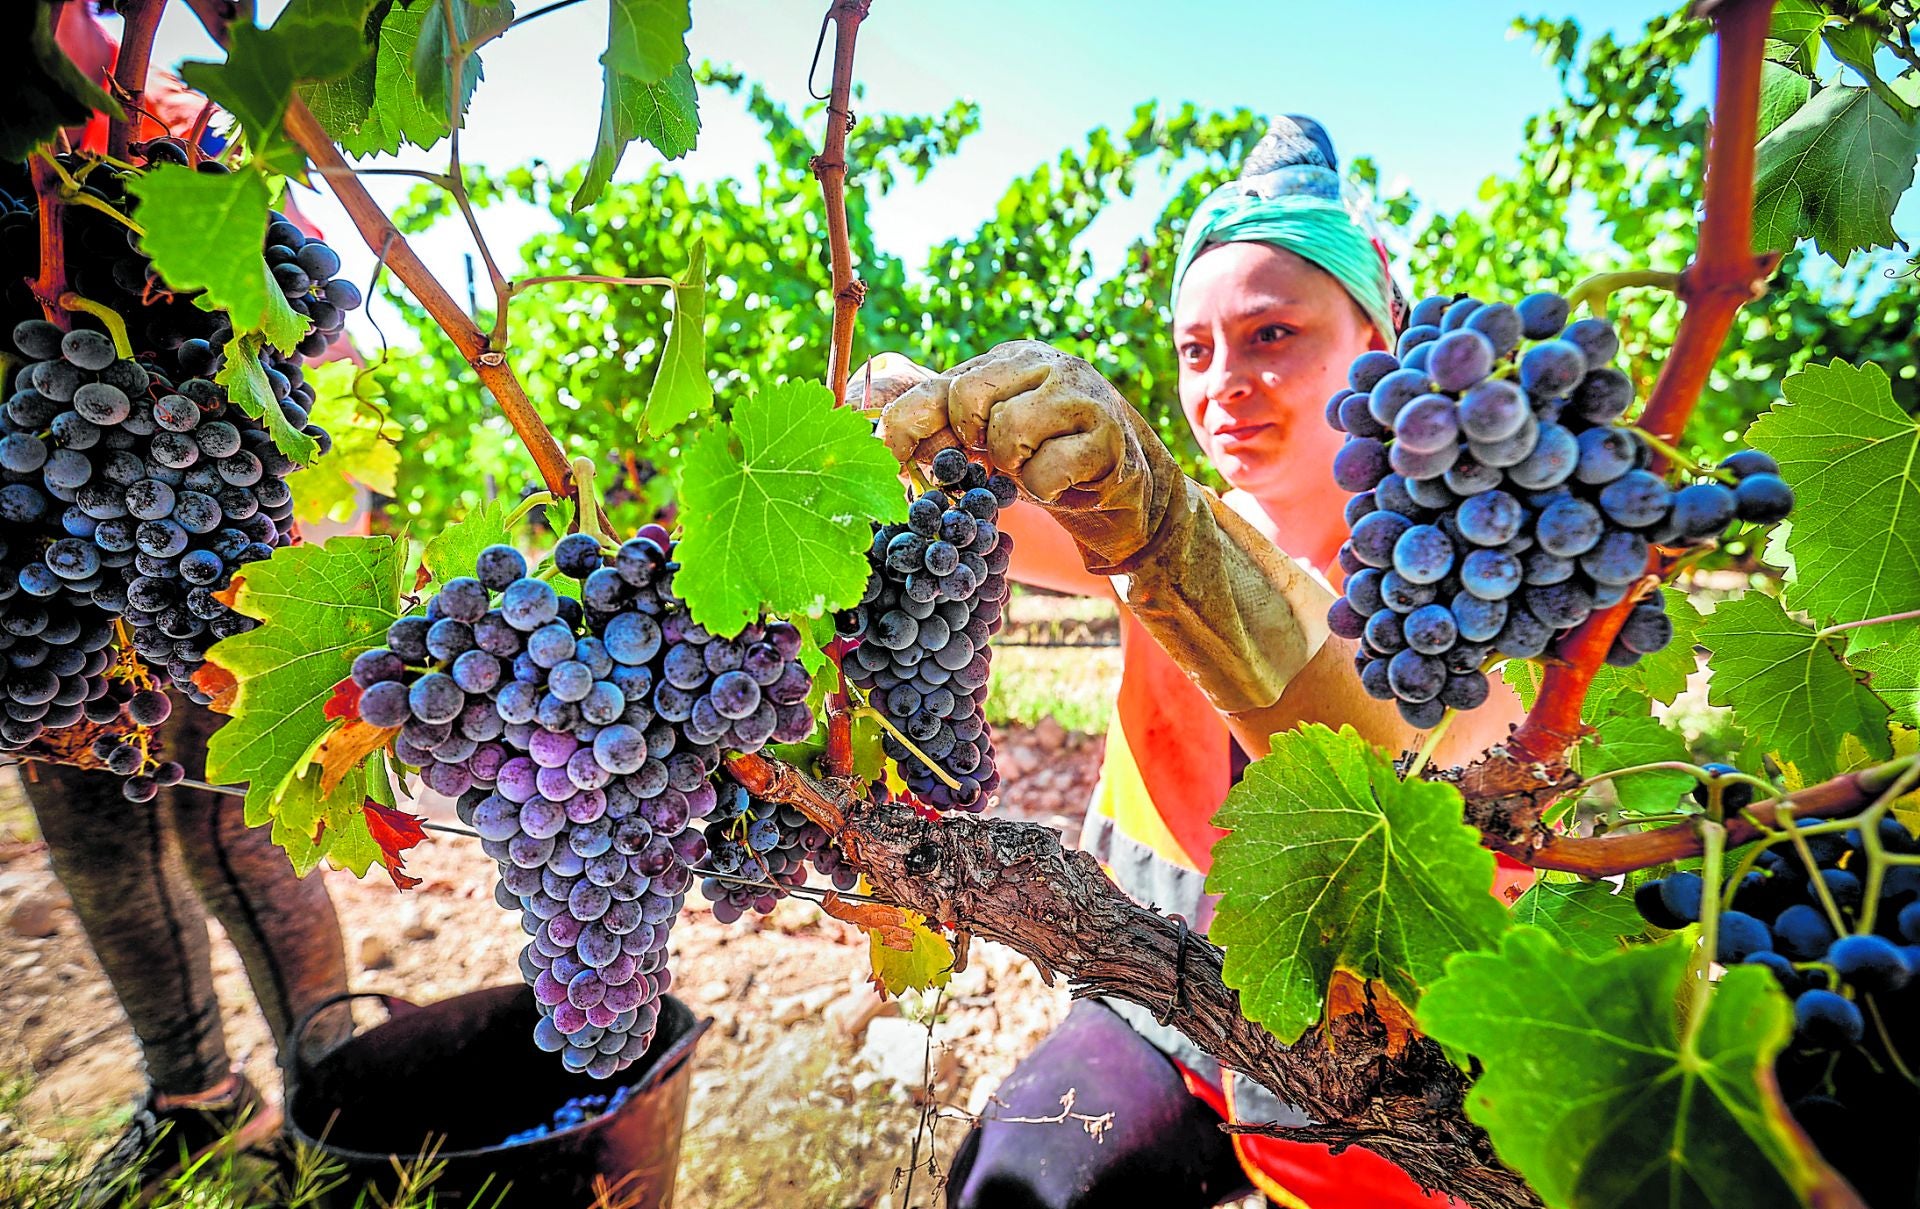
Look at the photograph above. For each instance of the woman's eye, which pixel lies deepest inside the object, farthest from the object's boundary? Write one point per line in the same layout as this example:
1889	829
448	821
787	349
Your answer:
1191	353
1273	333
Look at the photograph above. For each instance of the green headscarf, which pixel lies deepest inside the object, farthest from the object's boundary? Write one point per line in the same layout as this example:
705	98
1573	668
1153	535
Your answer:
1289	196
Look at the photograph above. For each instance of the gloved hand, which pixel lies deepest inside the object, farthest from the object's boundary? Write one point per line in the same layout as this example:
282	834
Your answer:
1238	615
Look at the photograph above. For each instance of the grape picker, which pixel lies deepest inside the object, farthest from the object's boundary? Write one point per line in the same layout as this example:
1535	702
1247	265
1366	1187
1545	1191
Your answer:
1278	288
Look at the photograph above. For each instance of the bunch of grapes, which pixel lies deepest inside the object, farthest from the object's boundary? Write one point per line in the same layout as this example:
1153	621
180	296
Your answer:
584	737
1842	974
934	598
130	487
758	850
1499	502
578	1110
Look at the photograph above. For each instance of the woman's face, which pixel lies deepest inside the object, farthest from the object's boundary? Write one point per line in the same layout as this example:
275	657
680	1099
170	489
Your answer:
1263	338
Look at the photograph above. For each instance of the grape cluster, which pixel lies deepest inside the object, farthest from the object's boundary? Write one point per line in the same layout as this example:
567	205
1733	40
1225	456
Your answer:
933	600
584	738
578	1110
758	850
1836	1074
1498	501
130	487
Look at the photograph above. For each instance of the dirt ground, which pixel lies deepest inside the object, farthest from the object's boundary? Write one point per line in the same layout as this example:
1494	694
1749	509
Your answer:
808	1090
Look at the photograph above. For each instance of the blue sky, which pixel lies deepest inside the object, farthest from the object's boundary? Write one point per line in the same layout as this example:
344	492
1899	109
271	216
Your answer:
1435	93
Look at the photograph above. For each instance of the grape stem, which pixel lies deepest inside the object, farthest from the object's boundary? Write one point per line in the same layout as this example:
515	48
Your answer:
1432	744
1673	454
867	711
1843	627
1713	839
116	326
51	285
1597	289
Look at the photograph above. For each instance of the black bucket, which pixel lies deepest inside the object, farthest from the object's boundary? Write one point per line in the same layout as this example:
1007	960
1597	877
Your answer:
452	1079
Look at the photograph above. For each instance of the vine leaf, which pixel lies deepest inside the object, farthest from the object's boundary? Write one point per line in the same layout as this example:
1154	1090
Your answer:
48	92
256	81
1591	1091
319	606
1852	456
1793	36
1893	668
394	831
665	112
775	505
246	381
923	962
1622	740
646	39
373	108
444	26
1783	680
681	389
1782	92
453	551
1334	863
1834	170
365	452
205	231
1583	917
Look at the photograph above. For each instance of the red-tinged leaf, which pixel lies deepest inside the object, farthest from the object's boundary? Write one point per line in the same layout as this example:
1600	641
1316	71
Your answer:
231	593
347	748
219	683
422	577
395	831
345	702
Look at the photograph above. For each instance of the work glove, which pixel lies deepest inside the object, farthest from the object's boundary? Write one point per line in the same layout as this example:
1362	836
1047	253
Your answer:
1240	617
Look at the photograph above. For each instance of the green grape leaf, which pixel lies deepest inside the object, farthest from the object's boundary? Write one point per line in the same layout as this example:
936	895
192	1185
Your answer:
1588	918
1591	1091
1793	36
1334	863
681	389
246	381
257	78
312	826
207	232
1852	457
365	451
665	112
1783	680
924	966
1659	677
1892	666
1782	92
1623	740
48	92
452	552
472	22
646	39
1834	170
319	606
373	108
775	508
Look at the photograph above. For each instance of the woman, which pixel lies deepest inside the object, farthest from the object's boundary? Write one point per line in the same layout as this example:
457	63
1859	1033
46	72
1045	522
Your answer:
1278	288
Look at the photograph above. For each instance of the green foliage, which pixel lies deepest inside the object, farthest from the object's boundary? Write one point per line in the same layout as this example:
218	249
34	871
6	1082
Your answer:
205	231
648	91
1596	1093
373	108
775	508
681	389
1335	863
453	551
1626	740
1588	918
246	381
347	404
1790	688
1849	452
318	606
257	79
1834	171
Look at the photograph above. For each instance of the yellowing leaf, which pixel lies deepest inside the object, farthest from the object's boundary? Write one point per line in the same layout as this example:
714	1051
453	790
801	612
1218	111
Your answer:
925	962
